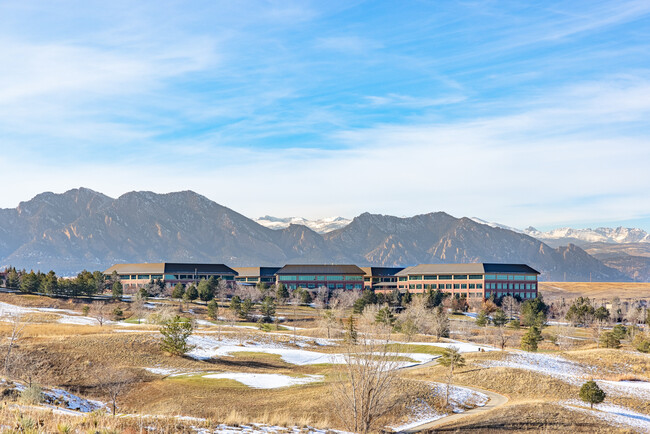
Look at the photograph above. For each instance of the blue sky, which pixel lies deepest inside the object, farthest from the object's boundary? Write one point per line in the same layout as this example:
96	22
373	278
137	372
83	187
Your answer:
525	114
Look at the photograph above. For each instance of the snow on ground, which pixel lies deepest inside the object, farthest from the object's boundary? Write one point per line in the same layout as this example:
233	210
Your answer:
571	372
614	414
460	398
257	428
74	402
209	347
162	371
463	347
265	381
66	316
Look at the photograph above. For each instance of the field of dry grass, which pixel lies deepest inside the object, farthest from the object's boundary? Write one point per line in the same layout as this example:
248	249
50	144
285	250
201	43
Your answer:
598	290
69	356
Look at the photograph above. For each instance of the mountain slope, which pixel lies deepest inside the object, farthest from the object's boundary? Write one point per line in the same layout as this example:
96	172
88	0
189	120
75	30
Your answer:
85	229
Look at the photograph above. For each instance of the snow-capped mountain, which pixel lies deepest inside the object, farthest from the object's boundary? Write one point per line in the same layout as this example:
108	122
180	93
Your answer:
619	235
321	226
496	225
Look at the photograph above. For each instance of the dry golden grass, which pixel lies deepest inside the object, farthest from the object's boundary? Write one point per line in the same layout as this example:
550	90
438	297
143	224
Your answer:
539	417
623	290
616	365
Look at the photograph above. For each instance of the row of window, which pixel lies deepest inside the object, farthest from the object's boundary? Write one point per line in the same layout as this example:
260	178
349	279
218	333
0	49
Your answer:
522	295
329	286
511	286
446	277
510	277
380	279
172	276
442	286
305	278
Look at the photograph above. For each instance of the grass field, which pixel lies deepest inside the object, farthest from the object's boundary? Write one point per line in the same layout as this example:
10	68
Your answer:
72	357
598	290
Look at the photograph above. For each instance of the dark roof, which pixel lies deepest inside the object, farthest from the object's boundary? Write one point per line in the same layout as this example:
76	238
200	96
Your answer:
381	271
256	271
473	268
320	269
509	268
178	267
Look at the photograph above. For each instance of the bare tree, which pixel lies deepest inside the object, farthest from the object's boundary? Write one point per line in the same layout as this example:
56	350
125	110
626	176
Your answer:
114	382
344	298
16	332
329	320
137	305
100	311
510	305
296	298
248	291
365	387
440	322
322	297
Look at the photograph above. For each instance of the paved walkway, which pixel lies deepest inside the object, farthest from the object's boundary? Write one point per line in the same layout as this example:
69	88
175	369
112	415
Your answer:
496	400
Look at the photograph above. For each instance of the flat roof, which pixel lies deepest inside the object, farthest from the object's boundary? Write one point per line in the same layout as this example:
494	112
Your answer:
320	269
381	271
256	271
170	267
473	268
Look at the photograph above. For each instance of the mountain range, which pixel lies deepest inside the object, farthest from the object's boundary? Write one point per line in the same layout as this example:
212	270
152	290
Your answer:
82	228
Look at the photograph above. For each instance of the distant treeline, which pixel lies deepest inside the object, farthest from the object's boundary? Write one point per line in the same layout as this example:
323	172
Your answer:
85	283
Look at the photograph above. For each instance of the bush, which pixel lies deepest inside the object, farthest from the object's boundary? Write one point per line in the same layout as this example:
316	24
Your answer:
32	395
118	314
591	393
175	334
610	340
642	342
530	340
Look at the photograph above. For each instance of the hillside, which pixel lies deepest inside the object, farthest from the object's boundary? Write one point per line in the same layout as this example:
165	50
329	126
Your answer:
85	229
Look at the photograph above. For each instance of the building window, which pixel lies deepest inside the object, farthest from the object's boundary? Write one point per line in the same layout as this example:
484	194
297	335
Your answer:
531	277
479	286
456	286
444	277
418	286
475	276
472	286
463	286
490	277
448	286
430	277
460	276
415	277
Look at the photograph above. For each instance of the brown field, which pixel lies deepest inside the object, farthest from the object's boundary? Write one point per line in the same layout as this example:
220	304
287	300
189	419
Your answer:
598	290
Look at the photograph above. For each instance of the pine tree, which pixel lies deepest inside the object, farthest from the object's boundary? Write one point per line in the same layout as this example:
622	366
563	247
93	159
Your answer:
530	340
499	318
213	309
268	309
192	292
281	293
175	333
351	331
482	319
178	291
117	290
591	393
205	291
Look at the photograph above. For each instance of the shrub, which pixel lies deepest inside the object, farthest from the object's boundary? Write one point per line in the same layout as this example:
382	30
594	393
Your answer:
175	334
530	340
32	395
610	340
591	393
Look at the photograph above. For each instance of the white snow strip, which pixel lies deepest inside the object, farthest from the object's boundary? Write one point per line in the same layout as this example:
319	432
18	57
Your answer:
613	414
265	381
463	347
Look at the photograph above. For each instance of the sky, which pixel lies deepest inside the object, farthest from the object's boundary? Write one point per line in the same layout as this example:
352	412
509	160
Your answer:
522	113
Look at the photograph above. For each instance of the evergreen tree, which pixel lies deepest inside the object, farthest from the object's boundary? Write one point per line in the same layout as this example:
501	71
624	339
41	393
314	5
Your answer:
434	298
385	316
610	340
245	308
268	309
13	279
30	283
581	312
213	309
530	340
205	291
533	312
452	359
281	293
407	298
178	291
192	292
235	304
50	284
305	297
499	318
591	393
176	332
482	319
117	291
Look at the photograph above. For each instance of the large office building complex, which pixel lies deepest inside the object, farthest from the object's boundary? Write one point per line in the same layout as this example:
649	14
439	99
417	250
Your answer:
482	280
474	281
316	276
133	276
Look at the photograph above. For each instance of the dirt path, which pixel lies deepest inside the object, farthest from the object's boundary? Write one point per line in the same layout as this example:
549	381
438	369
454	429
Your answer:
495	401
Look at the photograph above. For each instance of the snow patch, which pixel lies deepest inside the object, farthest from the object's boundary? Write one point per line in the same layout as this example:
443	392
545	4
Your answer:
266	381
